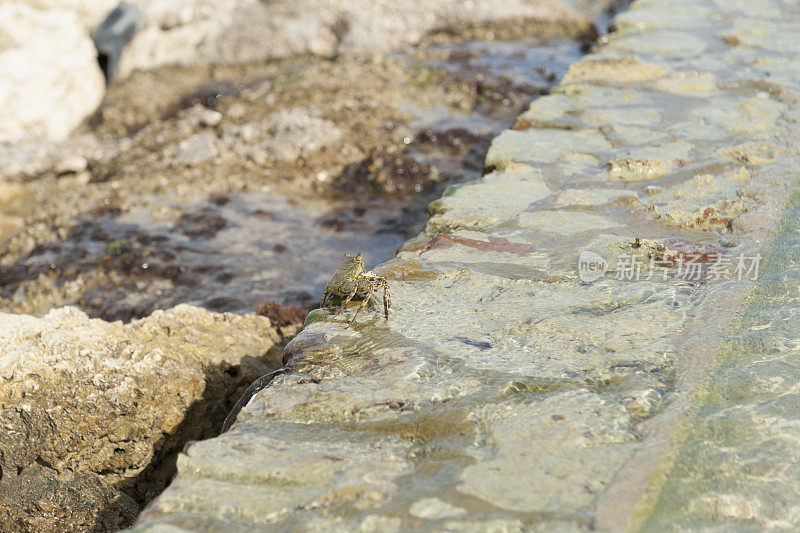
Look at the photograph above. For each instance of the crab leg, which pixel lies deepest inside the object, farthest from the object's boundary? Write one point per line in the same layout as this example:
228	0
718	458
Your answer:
347	301
363	304
387	299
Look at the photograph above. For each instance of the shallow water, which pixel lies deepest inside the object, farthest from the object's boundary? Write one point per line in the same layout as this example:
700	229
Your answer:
729	468
532	64
270	248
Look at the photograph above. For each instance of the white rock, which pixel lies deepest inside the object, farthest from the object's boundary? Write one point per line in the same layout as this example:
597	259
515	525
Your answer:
90	14
31	156
49	76
71	164
235	31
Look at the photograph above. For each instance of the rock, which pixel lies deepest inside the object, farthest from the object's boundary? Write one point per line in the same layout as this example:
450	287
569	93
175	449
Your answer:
613	118
612	70
89	14
652	18
284	136
207	32
434	508
753	153
560	474
564	222
97	410
295	133
544	145
40	500
707	200
643	163
193	150
691	83
259	471
752	115
71	164
587	197
210	118
478	205
50	78
665	43
629	170
30	156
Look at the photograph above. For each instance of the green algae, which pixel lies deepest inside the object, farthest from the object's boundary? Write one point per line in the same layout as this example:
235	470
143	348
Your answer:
118	246
436	208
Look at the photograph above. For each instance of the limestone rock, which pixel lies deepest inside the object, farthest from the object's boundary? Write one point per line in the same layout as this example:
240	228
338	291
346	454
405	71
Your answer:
482	204
208	32
89	14
103	406
613	70
49	77
31	156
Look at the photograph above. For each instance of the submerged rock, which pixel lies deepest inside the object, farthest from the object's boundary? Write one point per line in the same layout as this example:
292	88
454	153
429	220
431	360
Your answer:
561	472
94	412
484	203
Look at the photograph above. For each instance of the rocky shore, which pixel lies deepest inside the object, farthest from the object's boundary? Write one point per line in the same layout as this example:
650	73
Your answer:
507	393
158	251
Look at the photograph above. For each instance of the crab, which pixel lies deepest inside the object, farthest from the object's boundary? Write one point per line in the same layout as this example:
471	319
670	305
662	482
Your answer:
351	281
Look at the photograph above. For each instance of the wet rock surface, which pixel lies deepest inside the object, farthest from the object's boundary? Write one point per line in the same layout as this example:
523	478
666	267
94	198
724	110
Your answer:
94	413
506	393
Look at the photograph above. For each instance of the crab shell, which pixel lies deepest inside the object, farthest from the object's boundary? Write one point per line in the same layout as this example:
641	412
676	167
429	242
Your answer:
341	283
